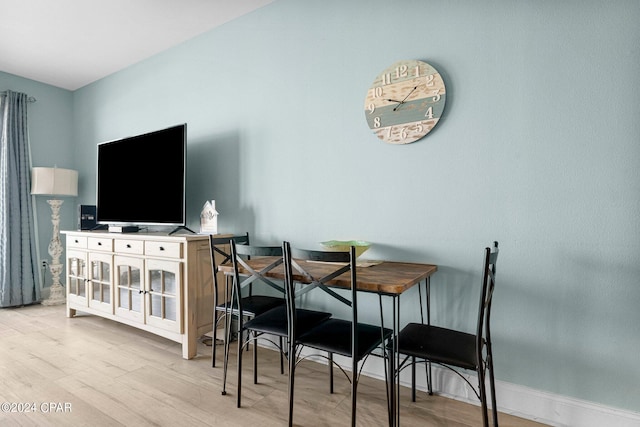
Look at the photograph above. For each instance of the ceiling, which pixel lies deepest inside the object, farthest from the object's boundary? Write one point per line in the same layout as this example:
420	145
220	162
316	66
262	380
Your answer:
71	43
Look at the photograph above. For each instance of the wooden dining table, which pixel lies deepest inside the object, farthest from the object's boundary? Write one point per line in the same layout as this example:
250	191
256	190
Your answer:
388	279
382	277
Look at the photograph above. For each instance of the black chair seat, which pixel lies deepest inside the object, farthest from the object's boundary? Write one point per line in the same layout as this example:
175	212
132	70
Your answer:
438	345
334	336
274	321
253	305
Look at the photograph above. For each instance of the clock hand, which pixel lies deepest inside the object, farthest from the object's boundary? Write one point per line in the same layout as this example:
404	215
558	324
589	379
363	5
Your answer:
405	98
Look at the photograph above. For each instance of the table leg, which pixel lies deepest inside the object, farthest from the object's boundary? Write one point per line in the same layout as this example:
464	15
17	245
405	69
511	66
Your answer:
428	367
390	388
396	361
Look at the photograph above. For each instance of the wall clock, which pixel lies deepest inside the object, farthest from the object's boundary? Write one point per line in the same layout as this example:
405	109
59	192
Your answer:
405	102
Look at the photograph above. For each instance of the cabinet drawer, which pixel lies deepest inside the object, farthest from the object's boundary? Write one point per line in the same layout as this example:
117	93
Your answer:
77	242
129	246
163	249
100	244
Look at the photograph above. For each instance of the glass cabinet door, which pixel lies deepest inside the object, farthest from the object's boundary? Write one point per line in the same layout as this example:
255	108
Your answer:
164	282
77	277
129	289
100	281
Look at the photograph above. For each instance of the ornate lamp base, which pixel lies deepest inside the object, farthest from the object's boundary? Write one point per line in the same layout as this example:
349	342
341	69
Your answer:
57	295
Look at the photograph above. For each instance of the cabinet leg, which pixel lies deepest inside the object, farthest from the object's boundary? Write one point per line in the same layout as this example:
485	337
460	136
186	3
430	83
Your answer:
189	347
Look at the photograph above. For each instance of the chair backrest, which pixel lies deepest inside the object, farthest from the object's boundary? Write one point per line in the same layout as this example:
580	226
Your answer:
244	275
218	248
314	269
486	297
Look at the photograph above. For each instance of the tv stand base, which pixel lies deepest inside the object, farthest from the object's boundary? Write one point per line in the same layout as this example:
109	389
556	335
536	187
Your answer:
123	229
182	227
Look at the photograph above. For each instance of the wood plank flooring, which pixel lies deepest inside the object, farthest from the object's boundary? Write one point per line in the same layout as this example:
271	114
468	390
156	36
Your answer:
89	371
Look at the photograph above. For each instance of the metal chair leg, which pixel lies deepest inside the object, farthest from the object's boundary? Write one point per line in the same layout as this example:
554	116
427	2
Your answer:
413	379
483	396
240	345
214	339
292	371
354	390
225	362
492	385
281	357
330	372
429	378
255	358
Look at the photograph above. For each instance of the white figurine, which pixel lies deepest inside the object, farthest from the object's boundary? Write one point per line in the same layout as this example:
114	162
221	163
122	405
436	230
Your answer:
209	218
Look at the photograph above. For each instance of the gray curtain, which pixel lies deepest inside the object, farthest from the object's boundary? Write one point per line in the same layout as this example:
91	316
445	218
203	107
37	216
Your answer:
18	260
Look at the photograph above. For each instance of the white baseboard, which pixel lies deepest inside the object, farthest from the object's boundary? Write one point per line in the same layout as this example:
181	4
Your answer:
524	402
561	411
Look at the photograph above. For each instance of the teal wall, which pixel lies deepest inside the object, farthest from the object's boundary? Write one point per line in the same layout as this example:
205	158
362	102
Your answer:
538	149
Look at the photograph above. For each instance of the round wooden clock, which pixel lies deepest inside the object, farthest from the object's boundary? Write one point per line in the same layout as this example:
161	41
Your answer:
405	102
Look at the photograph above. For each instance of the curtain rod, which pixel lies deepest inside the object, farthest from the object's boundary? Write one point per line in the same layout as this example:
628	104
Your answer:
29	98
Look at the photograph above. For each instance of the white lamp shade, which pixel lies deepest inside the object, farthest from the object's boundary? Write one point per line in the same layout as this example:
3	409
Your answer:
54	181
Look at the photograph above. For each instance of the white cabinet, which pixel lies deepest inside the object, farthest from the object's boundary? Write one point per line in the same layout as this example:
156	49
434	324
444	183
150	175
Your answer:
89	279
162	284
129	288
77	278
162	294
149	291
100	280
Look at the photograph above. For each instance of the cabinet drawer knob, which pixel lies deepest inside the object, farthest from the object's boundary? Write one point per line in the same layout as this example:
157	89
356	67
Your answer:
128	246
162	248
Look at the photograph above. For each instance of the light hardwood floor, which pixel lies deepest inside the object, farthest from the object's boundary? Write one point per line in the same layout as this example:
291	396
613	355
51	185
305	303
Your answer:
89	371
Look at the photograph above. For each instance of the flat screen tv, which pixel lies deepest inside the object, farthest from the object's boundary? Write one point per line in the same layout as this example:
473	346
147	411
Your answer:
141	180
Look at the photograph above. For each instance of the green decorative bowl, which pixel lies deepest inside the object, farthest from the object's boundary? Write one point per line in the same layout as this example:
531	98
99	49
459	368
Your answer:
344	245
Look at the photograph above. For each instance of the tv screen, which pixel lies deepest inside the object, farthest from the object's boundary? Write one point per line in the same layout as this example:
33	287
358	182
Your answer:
141	179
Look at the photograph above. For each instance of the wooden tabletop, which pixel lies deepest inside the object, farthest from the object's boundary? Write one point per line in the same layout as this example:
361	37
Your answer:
386	277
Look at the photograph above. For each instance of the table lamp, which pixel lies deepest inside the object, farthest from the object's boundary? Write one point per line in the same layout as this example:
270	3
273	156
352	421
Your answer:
55	182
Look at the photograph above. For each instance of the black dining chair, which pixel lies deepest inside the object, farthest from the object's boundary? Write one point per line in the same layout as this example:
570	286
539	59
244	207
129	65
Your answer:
270	323
347	337
224	310
457	350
